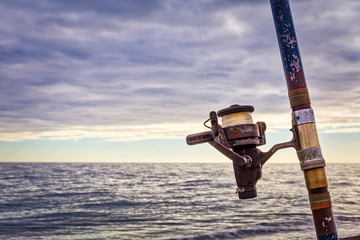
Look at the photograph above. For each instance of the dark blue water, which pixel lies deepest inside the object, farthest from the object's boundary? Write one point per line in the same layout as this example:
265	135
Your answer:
165	201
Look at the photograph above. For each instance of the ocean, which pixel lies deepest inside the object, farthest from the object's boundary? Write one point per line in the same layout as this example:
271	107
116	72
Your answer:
166	201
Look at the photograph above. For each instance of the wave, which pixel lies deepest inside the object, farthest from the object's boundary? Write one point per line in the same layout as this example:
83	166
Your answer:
162	201
237	234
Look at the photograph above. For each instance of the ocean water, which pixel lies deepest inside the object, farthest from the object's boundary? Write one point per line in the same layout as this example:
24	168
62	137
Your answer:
165	201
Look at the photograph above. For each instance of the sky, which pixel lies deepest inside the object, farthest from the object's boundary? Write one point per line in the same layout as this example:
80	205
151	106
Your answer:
126	81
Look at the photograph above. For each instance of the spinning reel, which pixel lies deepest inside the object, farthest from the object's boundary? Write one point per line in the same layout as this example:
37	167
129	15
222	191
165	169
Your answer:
237	139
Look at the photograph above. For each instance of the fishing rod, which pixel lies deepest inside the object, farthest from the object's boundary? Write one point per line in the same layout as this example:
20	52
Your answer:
237	137
309	152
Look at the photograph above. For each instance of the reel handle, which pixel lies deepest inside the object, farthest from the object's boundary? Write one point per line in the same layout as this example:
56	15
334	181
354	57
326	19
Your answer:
198	138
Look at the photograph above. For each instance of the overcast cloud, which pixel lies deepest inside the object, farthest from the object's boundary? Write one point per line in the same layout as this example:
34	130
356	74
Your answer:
124	70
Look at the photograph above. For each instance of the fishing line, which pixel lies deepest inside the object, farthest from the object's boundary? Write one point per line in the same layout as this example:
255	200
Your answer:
240	118
203	58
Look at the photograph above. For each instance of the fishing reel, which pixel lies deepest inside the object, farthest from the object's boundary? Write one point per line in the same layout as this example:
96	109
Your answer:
237	138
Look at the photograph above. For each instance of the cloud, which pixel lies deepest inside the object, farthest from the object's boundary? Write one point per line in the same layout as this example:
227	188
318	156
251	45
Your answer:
108	133
68	67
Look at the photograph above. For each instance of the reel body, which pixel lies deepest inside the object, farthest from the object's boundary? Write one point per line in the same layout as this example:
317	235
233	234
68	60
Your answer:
238	138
